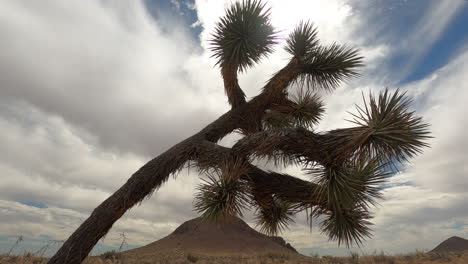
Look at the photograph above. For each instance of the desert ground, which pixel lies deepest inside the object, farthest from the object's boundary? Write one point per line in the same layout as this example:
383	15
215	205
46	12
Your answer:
272	258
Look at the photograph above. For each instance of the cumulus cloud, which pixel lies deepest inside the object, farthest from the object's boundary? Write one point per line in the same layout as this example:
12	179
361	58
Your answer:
443	97
48	163
108	69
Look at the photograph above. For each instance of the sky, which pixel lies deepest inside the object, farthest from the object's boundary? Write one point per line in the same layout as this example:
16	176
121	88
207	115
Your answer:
92	90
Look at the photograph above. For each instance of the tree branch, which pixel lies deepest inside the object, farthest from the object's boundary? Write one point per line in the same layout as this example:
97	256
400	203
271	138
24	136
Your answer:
236	96
284	186
292	142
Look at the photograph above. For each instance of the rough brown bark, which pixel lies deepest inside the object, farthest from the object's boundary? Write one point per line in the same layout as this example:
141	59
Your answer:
292	142
236	96
148	178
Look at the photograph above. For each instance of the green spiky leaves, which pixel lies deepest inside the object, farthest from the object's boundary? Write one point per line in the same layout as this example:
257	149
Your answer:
307	108
327	66
221	198
356	182
396	134
275	216
321	66
304	109
348	190
303	40
348	227
244	35
223	195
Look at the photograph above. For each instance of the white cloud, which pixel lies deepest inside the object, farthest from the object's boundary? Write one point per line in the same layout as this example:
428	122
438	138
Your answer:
443	97
108	69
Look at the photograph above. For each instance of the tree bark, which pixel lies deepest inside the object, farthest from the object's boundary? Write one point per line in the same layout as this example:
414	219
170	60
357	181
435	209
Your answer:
236	96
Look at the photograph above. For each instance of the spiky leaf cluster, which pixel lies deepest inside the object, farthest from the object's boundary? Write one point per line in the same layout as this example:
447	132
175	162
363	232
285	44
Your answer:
304	109
345	185
326	67
221	198
394	132
275	216
223	195
347	190
321	66
348	227
244	35
303	40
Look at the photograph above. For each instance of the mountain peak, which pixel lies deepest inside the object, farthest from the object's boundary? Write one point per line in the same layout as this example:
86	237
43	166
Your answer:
200	236
453	243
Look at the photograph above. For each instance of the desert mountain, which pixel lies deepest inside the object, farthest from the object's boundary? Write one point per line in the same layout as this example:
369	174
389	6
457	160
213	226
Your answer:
452	244
199	236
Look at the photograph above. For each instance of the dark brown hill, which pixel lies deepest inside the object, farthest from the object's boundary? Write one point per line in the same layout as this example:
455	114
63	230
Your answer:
452	244
198	236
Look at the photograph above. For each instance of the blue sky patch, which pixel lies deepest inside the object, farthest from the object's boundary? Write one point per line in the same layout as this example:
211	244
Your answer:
456	226
182	11
395	22
452	38
33	203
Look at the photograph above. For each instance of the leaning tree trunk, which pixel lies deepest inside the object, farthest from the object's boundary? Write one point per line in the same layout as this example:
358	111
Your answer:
148	178
143	182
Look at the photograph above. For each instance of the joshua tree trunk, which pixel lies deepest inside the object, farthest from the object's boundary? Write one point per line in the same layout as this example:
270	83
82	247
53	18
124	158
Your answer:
143	182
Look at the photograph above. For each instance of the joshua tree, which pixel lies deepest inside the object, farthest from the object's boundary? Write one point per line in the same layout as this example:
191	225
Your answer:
347	166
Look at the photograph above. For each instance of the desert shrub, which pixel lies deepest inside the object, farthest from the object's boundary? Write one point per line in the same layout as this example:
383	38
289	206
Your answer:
419	254
278	256
28	255
314	258
354	258
192	258
15	259
332	260
441	256
111	255
383	259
